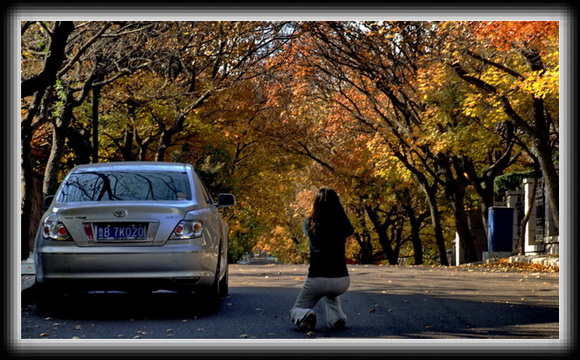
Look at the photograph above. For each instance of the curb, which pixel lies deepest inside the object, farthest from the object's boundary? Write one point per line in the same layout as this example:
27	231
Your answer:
544	260
540	260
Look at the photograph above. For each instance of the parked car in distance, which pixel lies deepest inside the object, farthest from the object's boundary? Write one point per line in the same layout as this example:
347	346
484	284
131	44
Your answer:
126	226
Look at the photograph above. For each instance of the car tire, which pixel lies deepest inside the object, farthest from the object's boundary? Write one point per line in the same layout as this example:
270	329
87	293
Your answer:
223	286
49	300
210	297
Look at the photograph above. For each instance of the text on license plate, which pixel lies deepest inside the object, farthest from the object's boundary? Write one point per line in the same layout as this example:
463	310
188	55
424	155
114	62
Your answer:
122	232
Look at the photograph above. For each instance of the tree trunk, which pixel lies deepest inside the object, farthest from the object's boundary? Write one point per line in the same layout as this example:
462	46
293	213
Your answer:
164	143
551	177
53	63
364	240
95	123
455	185
416	222
431	197
462	225
365	255
381	230
430	192
60	125
27	178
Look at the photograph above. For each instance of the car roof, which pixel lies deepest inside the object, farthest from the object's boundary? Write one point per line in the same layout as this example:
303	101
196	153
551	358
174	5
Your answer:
132	165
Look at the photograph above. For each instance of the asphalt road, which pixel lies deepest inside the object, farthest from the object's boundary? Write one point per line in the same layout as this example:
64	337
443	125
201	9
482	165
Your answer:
383	302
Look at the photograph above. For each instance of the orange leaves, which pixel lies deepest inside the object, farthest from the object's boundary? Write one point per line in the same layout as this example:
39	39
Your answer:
507	34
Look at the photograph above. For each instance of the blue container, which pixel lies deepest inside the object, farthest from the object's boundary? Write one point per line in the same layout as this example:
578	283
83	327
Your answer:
500	232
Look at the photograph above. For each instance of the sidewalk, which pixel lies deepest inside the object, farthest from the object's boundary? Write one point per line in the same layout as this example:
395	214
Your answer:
27	273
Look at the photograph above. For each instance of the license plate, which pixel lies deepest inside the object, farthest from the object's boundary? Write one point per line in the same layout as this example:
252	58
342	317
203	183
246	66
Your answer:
112	232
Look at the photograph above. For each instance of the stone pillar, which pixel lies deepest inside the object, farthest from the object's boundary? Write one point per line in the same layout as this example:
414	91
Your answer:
459	259
515	200
530	244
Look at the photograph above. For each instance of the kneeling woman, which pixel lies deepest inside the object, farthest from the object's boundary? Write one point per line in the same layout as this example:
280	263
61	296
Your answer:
327	229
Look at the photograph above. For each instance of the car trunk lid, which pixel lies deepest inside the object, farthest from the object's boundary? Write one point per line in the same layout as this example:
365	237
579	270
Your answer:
111	223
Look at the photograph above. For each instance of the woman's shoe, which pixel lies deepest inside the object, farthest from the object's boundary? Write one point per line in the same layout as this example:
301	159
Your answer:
308	322
339	324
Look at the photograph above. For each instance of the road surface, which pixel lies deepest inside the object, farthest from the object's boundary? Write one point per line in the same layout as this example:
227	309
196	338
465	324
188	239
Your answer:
388	303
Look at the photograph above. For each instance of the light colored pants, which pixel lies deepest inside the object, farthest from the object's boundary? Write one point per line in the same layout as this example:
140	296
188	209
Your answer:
317	288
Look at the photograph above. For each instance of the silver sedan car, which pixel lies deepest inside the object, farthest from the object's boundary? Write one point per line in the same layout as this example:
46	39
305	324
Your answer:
133	225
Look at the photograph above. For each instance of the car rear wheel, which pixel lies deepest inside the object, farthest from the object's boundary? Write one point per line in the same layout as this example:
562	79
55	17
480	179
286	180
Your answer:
49	299
210	297
223	285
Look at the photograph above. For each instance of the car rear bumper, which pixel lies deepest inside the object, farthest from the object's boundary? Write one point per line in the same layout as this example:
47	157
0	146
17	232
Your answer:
164	267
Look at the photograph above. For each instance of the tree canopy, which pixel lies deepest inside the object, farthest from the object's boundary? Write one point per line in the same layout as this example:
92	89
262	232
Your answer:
411	122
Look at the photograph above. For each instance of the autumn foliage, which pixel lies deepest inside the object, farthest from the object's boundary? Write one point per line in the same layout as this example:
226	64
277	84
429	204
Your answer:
411	122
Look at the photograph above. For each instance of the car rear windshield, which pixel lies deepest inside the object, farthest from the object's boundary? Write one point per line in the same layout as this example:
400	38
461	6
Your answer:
125	185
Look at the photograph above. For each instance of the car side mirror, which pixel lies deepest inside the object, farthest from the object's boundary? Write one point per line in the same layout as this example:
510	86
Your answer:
225	200
47	201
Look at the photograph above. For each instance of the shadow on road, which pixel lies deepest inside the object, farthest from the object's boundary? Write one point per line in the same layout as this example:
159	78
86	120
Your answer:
262	313
125	306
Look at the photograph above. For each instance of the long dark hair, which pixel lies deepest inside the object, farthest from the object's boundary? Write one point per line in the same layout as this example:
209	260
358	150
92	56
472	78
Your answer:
327	213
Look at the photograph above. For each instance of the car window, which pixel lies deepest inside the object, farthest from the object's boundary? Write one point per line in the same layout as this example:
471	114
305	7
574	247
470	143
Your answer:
125	185
203	188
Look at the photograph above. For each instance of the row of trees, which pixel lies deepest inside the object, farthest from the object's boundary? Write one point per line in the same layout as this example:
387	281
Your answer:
411	122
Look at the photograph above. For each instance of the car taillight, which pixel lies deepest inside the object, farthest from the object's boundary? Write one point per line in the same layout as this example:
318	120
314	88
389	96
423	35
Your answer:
89	231
188	229
55	230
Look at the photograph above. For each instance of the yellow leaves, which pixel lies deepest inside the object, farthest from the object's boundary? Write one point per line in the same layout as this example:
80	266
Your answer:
471	105
541	84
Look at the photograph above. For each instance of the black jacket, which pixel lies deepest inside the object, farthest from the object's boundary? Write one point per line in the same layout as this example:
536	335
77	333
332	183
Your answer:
327	249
